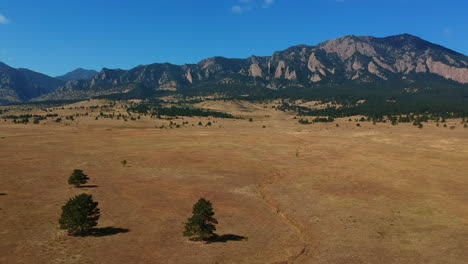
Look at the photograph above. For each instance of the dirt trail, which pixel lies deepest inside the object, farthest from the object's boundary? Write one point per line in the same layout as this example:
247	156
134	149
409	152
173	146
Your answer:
306	238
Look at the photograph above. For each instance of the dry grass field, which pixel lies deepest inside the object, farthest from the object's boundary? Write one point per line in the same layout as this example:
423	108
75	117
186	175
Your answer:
283	193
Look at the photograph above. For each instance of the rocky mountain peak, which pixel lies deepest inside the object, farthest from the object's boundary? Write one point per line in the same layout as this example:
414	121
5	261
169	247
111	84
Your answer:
77	74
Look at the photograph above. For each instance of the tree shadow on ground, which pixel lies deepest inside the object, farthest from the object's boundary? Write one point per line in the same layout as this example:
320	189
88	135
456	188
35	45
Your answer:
225	238
87	186
107	231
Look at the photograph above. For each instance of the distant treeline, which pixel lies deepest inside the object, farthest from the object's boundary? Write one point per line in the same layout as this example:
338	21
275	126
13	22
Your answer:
154	108
28	116
24	118
48	103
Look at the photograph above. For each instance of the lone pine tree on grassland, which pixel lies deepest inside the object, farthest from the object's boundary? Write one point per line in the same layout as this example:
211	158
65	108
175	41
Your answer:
77	178
79	215
201	226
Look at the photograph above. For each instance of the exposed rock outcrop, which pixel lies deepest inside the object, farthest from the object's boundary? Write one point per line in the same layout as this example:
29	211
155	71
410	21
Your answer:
346	47
449	72
255	70
279	69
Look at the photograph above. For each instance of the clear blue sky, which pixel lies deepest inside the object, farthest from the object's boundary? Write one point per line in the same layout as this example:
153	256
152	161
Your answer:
56	36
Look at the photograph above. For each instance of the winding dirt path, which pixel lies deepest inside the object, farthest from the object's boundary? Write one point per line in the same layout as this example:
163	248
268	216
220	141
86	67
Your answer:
306	238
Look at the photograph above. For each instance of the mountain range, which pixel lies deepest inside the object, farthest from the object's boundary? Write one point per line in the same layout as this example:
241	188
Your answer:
403	61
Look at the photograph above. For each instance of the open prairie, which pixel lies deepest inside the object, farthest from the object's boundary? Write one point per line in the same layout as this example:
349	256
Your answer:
282	192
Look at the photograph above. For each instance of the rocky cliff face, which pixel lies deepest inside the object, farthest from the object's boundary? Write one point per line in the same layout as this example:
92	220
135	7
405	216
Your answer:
359	59
397	55
365	59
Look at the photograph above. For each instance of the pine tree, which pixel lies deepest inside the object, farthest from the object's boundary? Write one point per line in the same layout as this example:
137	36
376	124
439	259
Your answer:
201	226
79	215
77	178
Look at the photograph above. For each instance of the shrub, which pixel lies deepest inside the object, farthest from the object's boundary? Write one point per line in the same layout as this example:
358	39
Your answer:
304	121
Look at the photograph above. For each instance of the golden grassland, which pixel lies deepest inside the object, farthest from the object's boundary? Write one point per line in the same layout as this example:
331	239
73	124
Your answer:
291	193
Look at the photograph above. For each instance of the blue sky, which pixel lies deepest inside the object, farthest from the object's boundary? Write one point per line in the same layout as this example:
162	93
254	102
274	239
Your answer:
56	36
